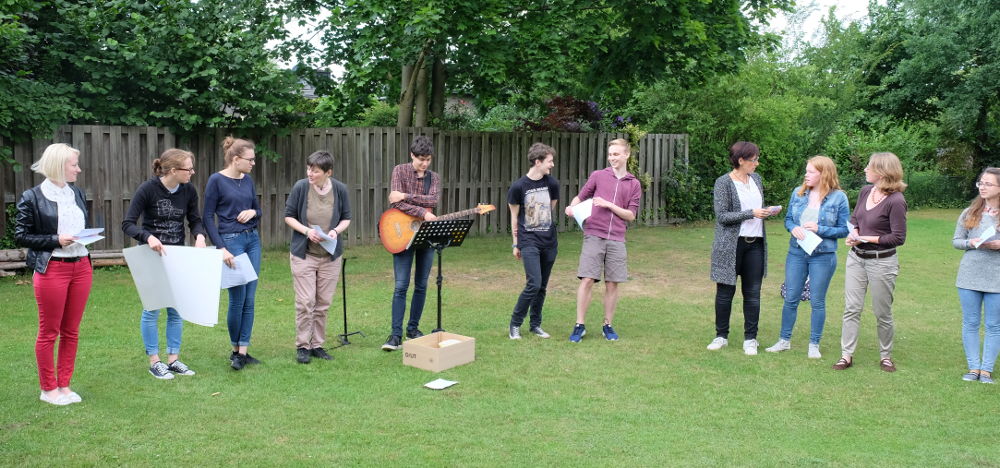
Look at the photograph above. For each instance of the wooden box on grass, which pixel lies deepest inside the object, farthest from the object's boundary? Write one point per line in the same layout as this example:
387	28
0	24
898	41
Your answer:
427	353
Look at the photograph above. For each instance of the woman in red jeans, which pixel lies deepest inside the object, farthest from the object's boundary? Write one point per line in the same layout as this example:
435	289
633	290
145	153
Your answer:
48	217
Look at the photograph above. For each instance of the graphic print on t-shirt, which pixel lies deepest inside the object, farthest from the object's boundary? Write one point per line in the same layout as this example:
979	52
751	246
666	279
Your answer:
537	209
169	222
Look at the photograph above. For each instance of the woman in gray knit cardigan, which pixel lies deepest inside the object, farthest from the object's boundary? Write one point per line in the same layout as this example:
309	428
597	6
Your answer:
739	248
979	276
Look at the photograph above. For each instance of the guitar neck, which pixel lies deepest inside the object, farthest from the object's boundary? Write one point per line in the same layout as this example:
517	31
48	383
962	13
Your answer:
458	214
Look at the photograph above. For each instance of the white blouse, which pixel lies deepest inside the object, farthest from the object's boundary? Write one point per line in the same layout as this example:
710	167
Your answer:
71	220
750	198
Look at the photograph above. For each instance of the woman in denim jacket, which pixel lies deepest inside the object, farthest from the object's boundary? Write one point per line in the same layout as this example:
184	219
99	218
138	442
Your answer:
820	207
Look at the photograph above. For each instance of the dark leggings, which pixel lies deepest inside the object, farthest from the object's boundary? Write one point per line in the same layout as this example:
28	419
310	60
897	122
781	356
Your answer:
750	269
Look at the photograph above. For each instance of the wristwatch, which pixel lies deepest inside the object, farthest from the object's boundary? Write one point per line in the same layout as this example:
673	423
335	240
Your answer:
513	246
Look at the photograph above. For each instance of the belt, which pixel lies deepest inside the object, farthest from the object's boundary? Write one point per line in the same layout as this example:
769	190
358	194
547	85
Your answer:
869	254
66	259
750	240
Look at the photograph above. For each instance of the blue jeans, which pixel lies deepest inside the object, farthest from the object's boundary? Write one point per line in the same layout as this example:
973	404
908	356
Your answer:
151	332
401	264
241	298
819	268
972	303
537	268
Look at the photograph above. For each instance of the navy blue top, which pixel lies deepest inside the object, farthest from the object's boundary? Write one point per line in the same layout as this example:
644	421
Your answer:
225	198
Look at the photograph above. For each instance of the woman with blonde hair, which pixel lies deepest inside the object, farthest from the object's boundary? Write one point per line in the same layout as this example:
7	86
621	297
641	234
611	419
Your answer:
231	197
818	208
978	288
48	217
164	202
879	221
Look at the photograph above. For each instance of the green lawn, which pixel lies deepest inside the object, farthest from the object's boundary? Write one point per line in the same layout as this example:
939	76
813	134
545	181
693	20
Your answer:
656	397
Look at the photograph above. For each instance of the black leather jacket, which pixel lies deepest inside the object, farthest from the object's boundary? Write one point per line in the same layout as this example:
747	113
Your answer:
37	225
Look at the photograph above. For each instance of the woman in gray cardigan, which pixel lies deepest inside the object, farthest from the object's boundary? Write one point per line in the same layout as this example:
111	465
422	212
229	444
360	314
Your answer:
978	275
318	200
740	247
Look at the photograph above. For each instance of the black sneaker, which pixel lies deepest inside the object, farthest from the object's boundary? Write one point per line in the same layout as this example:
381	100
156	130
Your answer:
160	371
321	353
248	359
238	361
414	333
392	343
302	355
179	368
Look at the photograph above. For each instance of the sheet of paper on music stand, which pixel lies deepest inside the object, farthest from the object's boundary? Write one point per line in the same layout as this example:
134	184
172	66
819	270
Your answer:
186	278
439	384
329	243
985	236
242	274
810	242
582	211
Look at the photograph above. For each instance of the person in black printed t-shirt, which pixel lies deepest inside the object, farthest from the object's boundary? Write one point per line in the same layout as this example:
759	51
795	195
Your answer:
164	202
532	199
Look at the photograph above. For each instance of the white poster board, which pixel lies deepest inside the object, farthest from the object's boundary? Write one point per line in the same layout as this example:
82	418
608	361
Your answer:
186	278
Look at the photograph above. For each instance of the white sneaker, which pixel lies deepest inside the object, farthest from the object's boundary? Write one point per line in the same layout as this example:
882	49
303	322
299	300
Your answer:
814	351
781	345
61	400
717	344
750	347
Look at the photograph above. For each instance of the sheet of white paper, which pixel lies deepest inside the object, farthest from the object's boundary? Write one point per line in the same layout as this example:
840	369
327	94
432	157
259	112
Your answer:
985	236
329	243
186	278
439	384
810	242
242	274
582	211
88	240
447	343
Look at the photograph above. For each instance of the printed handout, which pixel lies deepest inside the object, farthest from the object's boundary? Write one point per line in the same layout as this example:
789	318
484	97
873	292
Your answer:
329	243
582	210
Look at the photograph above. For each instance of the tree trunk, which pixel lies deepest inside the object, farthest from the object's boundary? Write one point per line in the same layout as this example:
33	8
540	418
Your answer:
420	99
405	97
438	78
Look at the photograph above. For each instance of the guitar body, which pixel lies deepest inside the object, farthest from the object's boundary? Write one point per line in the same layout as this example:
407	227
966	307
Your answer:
397	229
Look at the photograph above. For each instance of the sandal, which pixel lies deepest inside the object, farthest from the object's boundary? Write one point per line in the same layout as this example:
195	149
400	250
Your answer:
887	365
843	363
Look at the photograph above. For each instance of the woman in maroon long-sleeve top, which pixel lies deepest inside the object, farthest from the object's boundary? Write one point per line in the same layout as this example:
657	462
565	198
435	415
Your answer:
879	220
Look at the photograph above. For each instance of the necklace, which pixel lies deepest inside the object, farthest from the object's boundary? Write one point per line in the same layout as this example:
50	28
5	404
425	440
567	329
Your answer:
991	211
745	179
879	192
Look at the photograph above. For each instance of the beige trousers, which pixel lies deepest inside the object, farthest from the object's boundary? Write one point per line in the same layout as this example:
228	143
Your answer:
878	274
314	280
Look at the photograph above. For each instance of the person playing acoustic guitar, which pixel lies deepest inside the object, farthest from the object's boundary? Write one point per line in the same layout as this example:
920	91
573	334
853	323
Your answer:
414	191
532	199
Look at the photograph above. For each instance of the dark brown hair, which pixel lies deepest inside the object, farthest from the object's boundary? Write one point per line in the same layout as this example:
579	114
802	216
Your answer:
172	158
742	150
538	152
234	147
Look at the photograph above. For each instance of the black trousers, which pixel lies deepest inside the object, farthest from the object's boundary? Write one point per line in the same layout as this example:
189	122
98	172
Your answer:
750	269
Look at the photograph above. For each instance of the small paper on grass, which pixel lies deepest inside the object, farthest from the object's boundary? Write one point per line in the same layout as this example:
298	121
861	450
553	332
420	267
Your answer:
439	384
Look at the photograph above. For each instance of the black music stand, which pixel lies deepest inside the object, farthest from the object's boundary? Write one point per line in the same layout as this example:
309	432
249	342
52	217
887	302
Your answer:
343	292
440	235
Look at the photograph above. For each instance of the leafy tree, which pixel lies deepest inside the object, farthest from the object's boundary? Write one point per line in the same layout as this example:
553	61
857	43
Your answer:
529	51
131	62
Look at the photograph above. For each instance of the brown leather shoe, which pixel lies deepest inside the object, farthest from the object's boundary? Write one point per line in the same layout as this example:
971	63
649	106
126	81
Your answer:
887	365
843	363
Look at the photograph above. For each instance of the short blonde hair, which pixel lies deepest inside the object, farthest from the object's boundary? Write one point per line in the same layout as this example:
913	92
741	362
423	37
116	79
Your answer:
621	142
890	170
52	164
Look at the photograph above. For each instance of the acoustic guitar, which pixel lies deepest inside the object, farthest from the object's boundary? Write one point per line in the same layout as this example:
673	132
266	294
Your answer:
397	229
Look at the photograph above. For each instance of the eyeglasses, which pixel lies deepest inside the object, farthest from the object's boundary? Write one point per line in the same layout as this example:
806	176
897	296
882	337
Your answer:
985	185
251	160
184	169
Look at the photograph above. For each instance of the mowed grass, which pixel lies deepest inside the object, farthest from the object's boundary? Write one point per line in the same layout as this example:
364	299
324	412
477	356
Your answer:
655	398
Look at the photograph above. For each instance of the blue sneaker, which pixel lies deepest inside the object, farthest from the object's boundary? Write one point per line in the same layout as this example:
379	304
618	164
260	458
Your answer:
609	333
985	379
971	376
578	331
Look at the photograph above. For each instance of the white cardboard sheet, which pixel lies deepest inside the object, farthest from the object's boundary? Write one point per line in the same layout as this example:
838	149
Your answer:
186	278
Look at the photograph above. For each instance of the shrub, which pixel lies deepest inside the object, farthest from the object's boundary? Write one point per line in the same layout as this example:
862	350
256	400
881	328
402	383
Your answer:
687	195
568	114
929	189
379	114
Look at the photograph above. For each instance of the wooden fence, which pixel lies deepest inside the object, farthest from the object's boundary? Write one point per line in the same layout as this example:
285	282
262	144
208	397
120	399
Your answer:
474	167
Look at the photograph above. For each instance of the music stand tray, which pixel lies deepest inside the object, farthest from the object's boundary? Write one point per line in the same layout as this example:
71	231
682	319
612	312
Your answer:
440	235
